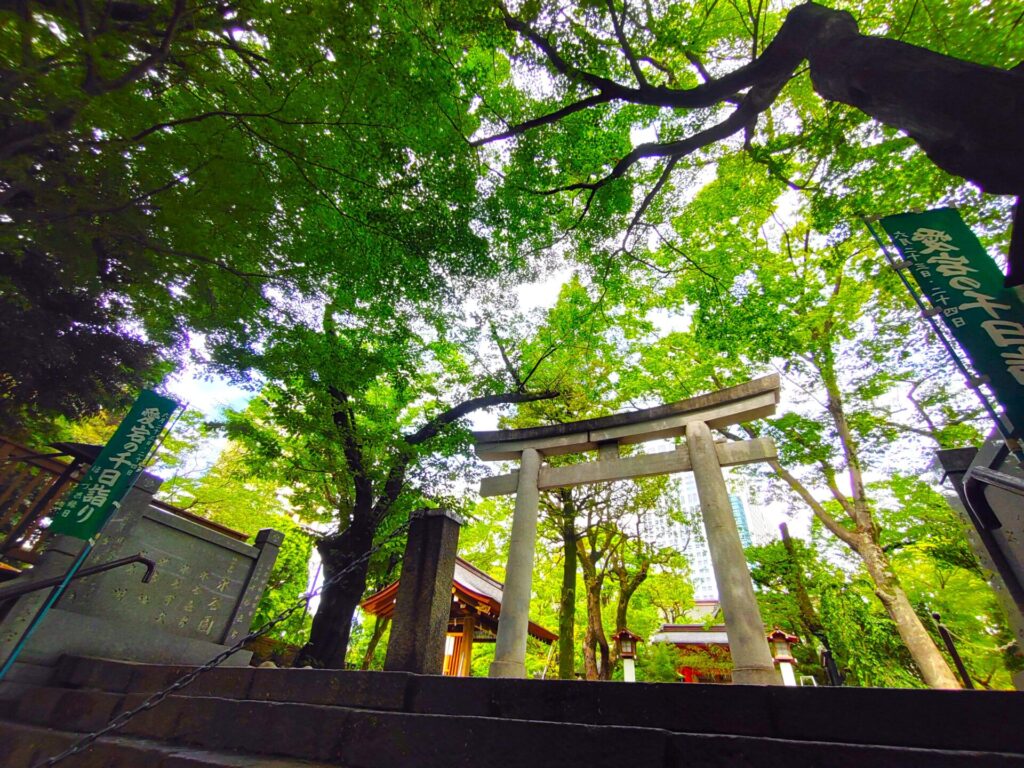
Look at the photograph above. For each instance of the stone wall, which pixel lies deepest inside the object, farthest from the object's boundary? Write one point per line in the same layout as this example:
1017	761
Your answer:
201	598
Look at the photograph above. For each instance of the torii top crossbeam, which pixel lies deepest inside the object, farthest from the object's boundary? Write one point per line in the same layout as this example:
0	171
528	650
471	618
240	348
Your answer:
751	400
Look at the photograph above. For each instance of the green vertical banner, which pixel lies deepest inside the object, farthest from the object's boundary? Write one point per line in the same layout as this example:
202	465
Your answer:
91	503
957	276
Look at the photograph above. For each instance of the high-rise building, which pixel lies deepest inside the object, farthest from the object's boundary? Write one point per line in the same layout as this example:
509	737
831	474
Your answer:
750	523
739	514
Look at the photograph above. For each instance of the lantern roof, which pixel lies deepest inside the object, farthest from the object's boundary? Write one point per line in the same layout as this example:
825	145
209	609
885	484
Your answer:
780	634
625	634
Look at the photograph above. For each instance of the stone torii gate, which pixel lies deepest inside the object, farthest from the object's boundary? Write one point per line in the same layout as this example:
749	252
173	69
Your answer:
692	419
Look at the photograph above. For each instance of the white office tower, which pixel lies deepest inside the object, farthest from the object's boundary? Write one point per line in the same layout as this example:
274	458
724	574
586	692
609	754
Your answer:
750	522
750	518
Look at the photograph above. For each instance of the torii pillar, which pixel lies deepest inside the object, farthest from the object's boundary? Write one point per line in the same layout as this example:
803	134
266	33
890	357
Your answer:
692	418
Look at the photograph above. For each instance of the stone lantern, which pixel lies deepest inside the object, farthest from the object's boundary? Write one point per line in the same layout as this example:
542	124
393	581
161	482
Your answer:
781	644
627	642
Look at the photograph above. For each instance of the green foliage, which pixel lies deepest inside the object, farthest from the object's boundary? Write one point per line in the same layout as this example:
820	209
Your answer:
657	663
864	642
323	145
288	188
867	648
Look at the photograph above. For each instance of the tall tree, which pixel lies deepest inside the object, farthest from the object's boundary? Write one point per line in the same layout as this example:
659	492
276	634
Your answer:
804	303
195	173
611	524
351	416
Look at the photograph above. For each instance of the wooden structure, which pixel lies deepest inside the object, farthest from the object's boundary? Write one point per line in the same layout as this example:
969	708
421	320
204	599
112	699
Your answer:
691	419
476	606
708	657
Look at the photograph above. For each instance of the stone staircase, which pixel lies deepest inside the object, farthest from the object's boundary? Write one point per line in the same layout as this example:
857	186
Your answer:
289	718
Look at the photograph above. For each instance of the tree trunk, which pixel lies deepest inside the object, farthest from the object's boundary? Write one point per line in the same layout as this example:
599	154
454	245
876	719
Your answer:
567	606
328	637
591	668
794	581
627	588
926	655
933	666
960	113
380	623
596	659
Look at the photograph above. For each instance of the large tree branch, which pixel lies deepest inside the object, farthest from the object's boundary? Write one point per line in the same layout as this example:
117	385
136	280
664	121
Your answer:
956	111
453	414
844	535
343	420
816	506
548	119
754	103
95	86
627	49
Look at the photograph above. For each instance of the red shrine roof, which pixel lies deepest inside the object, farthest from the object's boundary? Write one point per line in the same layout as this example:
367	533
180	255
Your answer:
470	586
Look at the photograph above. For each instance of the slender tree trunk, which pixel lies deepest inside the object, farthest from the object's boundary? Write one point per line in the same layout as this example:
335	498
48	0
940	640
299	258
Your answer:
591	666
596	655
329	634
926	655
627	588
795	584
595	643
596	661
567	605
929	660
380	624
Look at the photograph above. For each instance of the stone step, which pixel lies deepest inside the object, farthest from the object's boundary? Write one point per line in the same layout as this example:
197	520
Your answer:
360	738
951	720
23	746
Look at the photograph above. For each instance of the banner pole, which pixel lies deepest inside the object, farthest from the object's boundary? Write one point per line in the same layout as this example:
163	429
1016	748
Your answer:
55	594
57	591
1011	441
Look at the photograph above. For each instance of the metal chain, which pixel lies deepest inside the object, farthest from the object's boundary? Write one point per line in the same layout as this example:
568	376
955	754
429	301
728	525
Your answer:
216	661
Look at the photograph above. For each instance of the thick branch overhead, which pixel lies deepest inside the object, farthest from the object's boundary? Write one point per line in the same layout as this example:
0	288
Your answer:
963	115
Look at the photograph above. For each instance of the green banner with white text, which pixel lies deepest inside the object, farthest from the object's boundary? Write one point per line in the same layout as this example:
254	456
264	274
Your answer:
89	505
957	276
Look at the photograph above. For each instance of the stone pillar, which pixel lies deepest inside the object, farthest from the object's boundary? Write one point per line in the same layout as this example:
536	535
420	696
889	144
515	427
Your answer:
424	599
788	675
628	671
268	542
513	624
752	661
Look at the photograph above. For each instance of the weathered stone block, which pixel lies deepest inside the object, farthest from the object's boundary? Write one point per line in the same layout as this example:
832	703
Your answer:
373	690
435	741
928	719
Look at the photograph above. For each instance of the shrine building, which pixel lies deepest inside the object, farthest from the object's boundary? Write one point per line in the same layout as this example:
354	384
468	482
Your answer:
476	606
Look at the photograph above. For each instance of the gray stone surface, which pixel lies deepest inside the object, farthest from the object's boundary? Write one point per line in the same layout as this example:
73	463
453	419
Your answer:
513	624
751	658
748	389
607	470
951	720
205	585
365	738
424	601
